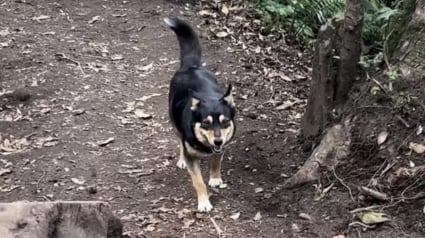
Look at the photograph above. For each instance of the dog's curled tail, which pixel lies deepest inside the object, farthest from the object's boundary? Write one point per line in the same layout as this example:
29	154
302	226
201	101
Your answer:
190	49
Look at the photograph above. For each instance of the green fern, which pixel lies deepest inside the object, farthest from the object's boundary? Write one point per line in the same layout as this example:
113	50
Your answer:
303	18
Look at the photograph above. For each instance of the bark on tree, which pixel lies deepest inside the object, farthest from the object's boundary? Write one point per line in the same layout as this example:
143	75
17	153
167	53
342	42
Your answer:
409	52
338	47
58	220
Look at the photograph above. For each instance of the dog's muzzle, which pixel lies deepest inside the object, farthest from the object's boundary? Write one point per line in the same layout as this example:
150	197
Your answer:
218	145
217	149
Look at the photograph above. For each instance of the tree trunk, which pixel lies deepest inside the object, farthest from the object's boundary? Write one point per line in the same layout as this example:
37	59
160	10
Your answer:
409	41
338	47
408	56
58	220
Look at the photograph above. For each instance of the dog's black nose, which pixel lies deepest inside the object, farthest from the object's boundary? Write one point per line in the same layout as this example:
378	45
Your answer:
218	142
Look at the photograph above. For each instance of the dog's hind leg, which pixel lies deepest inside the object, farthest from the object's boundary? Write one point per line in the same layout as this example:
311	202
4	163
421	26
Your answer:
181	163
215	170
194	168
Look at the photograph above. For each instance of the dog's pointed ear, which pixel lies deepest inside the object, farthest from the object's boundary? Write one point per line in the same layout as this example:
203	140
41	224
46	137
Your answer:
228	96
195	101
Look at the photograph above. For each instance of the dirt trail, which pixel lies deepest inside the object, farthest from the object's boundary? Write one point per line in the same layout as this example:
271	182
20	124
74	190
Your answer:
97	128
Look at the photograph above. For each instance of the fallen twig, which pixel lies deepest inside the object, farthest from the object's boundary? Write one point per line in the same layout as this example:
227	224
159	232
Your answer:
404	122
357	223
62	56
138	172
217	228
345	185
374	193
362	209
39	180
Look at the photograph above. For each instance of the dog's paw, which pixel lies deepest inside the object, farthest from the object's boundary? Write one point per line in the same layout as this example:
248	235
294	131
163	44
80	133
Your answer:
181	164
215	182
204	205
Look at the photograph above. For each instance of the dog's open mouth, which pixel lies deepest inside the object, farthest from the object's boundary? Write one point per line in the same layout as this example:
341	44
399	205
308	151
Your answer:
217	149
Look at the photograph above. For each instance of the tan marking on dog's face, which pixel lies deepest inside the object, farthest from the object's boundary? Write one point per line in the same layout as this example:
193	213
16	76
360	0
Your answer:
222	118
227	133
207	136
193	152
227	130
204	136
208	119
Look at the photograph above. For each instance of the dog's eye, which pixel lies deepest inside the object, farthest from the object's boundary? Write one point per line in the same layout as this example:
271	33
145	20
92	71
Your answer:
225	122
206	123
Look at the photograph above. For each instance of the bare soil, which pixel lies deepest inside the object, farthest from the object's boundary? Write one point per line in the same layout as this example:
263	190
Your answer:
88	66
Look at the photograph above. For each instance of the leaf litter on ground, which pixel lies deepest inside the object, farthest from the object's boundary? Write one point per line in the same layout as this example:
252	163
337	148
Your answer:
11	145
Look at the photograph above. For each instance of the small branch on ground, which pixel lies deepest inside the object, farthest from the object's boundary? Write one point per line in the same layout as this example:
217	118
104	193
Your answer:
217	228
373	193
343	184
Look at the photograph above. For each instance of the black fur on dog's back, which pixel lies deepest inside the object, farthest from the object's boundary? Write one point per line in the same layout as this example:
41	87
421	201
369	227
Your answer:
193	81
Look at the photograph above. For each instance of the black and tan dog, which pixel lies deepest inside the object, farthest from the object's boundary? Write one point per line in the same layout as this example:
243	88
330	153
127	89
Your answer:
201	113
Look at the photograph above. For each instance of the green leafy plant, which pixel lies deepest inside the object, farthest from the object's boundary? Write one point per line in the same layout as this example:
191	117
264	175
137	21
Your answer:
303	18
371	62
392	77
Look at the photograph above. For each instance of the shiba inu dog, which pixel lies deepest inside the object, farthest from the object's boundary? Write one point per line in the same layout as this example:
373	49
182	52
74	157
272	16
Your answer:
202	114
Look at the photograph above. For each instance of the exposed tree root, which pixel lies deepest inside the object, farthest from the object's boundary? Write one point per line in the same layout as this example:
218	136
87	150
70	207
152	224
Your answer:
333	148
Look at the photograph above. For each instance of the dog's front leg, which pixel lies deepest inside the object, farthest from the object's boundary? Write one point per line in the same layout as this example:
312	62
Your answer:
194	169
215	170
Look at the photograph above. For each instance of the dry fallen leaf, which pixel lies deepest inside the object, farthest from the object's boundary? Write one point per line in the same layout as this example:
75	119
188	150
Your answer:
382	137
7	188
5	44
235	216
257	216
418	148
4	32
285	105
147	97
5	171
130	106
78	181
420	130
10	146
224	10
207	13
221	34
258	190
105	142
145	67
41	18
117	57
142	114
370	218
94	19
150	227
46	142
306	216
